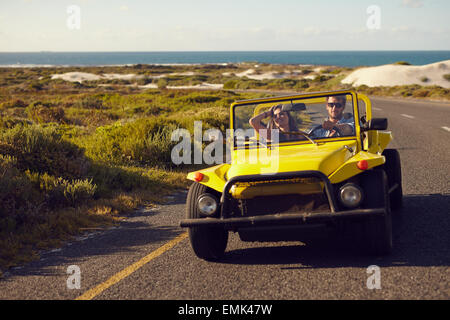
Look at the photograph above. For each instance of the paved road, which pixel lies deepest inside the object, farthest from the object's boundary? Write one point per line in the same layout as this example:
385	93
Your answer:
141	260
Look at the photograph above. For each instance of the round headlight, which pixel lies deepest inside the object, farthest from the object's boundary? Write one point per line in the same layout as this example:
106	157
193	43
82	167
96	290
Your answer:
207	204
350	195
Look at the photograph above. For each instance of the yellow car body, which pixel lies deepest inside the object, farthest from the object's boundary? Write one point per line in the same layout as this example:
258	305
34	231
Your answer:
330	157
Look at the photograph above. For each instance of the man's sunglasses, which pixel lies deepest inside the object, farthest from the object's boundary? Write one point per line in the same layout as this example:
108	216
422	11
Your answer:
334	104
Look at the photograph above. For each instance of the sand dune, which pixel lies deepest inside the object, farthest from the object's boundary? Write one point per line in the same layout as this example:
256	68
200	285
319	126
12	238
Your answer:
84	76
252	74
204	85
77	76
113	76
397	75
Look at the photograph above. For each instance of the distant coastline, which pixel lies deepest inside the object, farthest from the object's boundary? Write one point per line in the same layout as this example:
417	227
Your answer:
320	58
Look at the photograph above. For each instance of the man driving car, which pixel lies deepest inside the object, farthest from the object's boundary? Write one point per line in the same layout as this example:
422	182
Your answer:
336	124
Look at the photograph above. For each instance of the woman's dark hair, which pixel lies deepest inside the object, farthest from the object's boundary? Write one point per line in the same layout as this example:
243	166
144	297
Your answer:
292	122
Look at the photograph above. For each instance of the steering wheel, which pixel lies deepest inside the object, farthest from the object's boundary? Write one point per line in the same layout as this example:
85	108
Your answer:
336	129
257	141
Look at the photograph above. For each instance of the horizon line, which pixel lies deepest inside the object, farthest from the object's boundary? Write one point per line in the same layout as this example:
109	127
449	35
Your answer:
174	51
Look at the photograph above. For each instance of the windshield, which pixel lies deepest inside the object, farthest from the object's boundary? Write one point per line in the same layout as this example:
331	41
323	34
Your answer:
307	119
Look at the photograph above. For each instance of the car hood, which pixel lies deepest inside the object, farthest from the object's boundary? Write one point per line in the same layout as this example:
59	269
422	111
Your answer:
325	157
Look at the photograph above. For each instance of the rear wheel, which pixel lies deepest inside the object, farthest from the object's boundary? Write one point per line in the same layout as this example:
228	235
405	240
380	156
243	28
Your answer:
394	174
208	243
377	230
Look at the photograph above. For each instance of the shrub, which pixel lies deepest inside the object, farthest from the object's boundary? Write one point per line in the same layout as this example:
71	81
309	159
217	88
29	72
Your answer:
95	118
111	178
321	78
446	76
421	93
36	86
199	98
336	71
230	84
144	141
90	102
143	81
406	93
75	191
42	150
16	191
16	103
60	192
162	83
302	84
8	122
42	113
152	110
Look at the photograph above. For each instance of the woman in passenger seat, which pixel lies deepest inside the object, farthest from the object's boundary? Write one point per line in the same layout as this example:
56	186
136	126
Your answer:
280	120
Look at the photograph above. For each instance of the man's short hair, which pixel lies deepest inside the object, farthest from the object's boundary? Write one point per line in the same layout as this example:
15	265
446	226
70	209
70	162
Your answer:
341	98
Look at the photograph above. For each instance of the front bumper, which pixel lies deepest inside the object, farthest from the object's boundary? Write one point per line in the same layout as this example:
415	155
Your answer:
281	219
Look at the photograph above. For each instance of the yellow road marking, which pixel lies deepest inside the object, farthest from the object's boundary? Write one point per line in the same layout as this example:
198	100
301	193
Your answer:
90	294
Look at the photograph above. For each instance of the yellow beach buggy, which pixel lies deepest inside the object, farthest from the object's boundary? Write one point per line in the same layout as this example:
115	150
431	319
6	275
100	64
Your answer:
328	168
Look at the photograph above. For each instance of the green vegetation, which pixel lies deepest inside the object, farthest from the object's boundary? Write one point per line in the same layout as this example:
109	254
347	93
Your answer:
409	91
81	155
447	76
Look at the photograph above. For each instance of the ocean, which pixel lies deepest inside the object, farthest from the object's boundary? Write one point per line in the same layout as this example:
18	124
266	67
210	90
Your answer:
334	58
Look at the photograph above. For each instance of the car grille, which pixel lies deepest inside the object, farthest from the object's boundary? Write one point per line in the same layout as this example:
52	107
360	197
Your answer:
293	203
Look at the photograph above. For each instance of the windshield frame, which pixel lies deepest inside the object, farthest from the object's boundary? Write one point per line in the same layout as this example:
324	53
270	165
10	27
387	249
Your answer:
297	98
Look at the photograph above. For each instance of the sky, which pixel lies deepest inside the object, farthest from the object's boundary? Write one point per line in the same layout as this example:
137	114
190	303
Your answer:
229	25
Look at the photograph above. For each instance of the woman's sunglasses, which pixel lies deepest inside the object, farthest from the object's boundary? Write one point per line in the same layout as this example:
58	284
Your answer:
279	115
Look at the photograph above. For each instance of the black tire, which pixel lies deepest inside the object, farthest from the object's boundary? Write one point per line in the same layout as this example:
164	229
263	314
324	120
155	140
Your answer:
208	243
377	230
394	173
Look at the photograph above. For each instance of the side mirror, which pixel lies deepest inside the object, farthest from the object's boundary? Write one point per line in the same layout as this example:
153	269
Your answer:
363	119
375	124
294	107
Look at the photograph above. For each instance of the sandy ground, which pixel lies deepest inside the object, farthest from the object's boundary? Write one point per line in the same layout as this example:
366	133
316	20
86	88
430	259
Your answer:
77	76
397	75
84	76
204	85
252	74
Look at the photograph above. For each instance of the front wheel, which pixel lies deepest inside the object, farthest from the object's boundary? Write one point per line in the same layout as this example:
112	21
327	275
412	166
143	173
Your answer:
377	229
394	173
208	243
